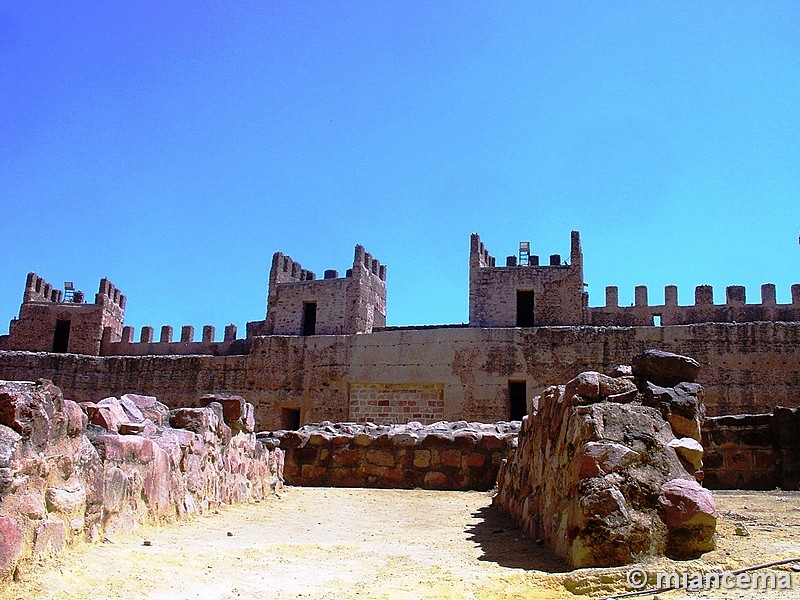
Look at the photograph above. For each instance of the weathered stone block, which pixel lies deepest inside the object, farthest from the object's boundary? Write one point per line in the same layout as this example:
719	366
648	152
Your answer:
50	537
10	547
66	499
665	368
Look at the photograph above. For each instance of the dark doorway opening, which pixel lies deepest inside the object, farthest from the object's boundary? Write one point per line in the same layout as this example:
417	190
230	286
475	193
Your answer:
309	318
524	308
290	418
518	400
61	337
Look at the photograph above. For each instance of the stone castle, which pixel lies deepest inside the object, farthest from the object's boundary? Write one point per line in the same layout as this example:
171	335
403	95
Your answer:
324	352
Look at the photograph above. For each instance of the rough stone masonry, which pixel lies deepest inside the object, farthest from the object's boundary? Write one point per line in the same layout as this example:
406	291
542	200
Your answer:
71	473
607	466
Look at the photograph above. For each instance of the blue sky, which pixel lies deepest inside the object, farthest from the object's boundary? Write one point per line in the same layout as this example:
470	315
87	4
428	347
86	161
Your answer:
173	147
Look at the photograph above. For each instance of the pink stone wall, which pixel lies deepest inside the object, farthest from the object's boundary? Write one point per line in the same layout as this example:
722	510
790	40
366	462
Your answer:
63	483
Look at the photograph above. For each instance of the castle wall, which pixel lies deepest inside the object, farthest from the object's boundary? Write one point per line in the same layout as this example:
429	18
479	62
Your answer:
747	368
753	451
735	310
168	345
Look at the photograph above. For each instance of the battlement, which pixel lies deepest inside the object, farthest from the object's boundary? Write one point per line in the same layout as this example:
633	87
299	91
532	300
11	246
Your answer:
166	345
364	260
525	293
38	290
286	270
109	294
480	258
735	309
299	304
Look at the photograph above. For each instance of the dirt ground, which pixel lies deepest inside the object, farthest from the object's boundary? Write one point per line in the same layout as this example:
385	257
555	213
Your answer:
357	543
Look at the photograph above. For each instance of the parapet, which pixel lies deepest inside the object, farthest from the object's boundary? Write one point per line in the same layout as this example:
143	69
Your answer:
481	258
109	294
166	345
735	308
286	270
364	260
39	290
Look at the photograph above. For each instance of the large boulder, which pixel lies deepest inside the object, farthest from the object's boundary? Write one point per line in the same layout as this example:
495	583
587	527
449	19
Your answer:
665	368
601	474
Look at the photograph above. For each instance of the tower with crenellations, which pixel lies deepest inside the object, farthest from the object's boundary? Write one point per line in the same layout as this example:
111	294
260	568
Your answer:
51	320
300	304
525	293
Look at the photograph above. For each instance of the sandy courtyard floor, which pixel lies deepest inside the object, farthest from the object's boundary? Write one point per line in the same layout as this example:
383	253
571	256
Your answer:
357	543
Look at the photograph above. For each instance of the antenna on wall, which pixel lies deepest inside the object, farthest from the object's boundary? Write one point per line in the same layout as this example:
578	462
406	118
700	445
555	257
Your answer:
524	253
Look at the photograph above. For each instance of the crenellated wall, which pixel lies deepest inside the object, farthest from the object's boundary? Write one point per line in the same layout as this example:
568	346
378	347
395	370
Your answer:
735	310
167	345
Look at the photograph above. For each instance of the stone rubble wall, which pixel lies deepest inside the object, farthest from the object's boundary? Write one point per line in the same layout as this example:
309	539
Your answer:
754	452
71	473
606	468
441	456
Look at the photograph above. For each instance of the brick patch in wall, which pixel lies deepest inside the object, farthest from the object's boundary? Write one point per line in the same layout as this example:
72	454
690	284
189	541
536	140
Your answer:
384	403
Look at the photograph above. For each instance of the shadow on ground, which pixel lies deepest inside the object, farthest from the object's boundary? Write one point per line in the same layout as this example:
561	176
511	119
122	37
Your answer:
503	542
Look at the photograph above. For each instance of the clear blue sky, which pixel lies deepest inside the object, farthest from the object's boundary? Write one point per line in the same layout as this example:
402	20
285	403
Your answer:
173	147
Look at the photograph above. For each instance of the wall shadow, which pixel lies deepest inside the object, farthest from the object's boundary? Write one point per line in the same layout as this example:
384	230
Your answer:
503	542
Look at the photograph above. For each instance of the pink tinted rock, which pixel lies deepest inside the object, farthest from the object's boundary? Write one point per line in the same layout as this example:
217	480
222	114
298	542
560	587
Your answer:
68	498
132	411
150	408
76	418
10	547
250	419
115	484
29	409
686	502
125	448
234	408
32	506
50	537
109	415
131	428
621	371
586	385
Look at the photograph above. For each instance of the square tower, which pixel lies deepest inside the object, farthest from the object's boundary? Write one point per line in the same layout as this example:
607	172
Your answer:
51	321
300	304
527	294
